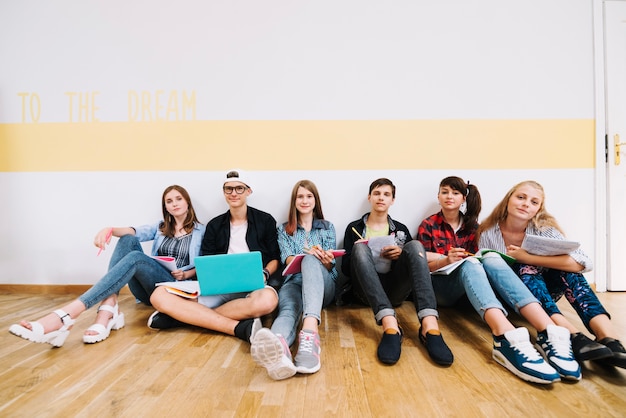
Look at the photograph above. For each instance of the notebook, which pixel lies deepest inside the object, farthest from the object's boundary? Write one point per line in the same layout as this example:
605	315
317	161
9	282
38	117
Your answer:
296	263
229	273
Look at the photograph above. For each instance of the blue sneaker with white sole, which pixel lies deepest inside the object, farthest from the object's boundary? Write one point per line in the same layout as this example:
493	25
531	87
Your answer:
515	352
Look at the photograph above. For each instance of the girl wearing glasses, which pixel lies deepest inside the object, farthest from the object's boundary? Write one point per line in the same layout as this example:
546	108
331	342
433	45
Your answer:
178	235
303	294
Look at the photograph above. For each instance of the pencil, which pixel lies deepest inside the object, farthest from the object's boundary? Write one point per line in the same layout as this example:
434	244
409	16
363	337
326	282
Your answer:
357	233
106	239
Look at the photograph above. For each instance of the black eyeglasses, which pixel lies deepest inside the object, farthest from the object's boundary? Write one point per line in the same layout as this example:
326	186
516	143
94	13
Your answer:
237	189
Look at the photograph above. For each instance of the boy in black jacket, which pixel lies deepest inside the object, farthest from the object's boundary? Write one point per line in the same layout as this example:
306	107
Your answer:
385	279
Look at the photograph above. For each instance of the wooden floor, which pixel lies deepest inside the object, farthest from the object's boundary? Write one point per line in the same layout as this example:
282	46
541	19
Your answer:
190	372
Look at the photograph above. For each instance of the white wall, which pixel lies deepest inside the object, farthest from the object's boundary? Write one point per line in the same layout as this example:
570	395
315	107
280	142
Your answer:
328	59
52	241
281	60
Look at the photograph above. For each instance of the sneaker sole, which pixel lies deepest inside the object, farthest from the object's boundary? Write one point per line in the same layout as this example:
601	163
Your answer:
306	370
268	352
151	318
563	375
503	361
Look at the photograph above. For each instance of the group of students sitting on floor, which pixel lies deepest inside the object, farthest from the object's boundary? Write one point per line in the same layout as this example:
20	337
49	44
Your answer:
383	265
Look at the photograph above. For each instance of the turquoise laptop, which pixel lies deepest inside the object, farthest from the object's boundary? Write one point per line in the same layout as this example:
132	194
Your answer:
229	273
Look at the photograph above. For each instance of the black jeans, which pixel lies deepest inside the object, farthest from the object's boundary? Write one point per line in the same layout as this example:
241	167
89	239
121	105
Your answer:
383	292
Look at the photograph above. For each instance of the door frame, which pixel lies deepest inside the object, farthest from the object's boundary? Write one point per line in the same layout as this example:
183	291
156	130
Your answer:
601	184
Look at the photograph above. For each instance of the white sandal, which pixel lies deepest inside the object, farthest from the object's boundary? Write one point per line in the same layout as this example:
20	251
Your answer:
103	332
36	334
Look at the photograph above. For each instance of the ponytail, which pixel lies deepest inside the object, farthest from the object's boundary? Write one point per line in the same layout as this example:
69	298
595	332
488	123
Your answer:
473	203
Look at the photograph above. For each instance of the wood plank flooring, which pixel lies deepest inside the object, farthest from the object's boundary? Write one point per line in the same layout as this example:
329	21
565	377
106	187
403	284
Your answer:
190	372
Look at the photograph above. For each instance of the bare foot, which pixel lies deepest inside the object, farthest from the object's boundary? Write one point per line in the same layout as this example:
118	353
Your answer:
50	322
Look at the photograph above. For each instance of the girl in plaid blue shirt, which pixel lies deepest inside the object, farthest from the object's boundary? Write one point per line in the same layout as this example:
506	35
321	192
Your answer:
303	294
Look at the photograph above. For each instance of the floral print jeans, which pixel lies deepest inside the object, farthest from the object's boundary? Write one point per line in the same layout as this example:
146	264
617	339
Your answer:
548	285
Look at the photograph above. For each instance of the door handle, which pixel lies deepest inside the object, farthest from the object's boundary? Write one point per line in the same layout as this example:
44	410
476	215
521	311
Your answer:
617	150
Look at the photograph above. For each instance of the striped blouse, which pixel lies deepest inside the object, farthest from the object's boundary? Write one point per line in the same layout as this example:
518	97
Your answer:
492	239
177	248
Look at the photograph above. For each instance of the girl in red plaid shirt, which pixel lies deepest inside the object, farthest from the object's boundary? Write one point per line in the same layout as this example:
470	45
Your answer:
449	236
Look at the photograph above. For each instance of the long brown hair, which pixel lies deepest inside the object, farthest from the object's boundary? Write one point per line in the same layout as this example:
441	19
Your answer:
294	216
168	226
541	220
473	201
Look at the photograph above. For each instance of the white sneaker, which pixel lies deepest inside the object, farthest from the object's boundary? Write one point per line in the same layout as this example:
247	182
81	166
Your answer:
272	352
556	347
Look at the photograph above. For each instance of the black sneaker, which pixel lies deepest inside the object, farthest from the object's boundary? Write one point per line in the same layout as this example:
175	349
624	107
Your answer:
437	348
159	320
585	348
618	358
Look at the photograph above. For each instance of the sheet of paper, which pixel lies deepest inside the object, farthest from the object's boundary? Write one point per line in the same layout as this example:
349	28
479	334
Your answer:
376	244
446	270
537	245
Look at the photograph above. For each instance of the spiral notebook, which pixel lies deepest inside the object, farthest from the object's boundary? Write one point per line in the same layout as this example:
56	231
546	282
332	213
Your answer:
229	273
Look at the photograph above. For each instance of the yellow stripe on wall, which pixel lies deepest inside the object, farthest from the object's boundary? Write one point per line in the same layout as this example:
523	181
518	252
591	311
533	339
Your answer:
298	145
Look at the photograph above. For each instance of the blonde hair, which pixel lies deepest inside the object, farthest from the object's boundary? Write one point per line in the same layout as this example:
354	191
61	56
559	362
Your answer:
541	220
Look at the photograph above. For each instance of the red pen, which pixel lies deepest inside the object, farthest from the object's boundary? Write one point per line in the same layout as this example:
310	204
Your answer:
105	240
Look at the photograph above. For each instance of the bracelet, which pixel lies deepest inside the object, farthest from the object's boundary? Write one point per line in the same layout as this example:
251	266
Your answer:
266	273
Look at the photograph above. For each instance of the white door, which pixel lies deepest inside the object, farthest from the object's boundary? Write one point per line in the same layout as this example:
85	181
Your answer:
615	94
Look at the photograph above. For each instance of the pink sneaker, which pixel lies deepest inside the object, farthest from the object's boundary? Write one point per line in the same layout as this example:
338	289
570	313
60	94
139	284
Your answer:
308	357
272	352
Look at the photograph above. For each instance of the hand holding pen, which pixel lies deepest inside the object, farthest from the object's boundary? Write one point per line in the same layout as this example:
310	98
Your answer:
103	238
326	257
457	253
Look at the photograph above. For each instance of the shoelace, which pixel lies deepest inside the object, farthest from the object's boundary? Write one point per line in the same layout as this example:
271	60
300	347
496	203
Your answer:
306	343
560	347
526	349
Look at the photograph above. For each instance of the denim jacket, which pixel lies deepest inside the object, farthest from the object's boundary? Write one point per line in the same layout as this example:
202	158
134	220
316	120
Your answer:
152	233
